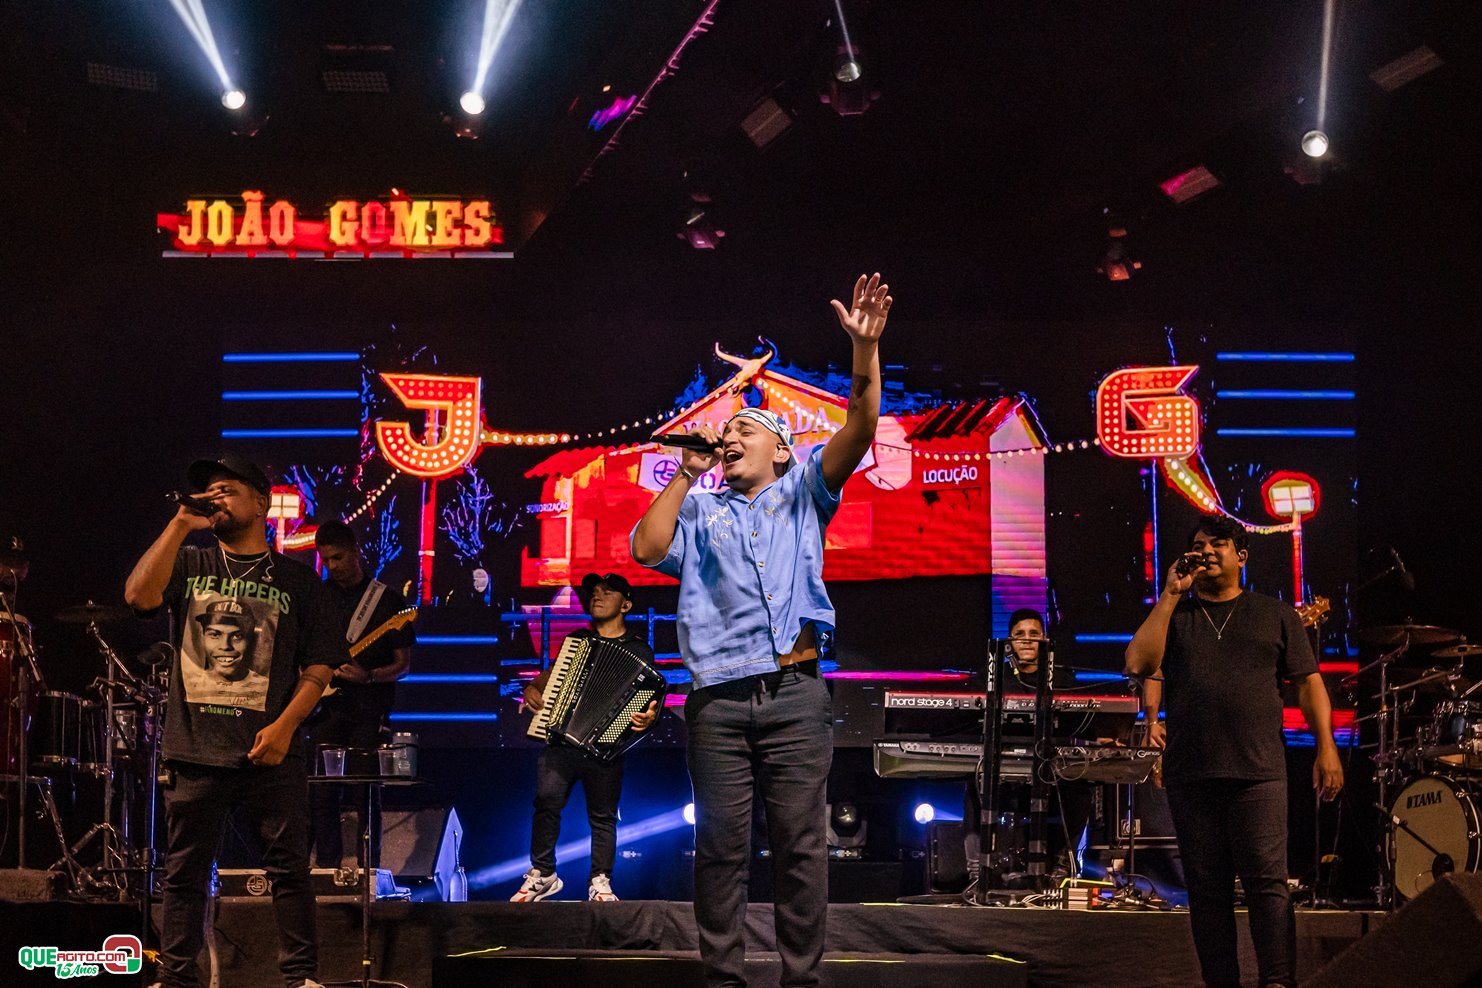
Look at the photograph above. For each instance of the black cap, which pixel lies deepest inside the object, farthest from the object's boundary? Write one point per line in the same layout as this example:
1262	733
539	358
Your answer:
244	470
618	583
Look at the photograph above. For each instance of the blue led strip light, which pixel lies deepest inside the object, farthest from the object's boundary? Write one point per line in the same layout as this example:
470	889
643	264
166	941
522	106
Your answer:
450	677
289	395
457	639
442	715
1291	433
291	357
1277	395
1324	358
289	433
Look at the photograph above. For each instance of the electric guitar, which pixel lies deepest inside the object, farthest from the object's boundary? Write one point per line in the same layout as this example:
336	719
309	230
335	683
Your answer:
400	619
1313	612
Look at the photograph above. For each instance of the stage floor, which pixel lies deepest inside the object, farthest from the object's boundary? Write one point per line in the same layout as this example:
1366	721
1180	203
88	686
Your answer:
868	944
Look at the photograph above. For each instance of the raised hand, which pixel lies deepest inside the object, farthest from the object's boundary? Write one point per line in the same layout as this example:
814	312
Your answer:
864	319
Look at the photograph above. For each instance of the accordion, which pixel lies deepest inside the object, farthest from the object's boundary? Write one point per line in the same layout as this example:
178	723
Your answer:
595	688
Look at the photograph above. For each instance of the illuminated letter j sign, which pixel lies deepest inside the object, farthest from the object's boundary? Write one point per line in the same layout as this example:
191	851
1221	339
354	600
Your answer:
453	426
1142	412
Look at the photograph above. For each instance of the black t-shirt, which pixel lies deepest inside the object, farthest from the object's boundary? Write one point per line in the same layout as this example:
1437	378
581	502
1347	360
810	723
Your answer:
246	631
1222	691
378	697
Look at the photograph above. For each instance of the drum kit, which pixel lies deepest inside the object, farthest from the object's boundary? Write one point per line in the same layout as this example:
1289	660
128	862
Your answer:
98	748
1428	754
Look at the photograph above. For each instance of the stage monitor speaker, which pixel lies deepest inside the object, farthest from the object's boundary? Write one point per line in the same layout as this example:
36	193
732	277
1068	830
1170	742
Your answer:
1154	819
1432	941
421	848
946	857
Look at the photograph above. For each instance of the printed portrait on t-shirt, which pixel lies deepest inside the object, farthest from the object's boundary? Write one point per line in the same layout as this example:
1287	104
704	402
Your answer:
227	651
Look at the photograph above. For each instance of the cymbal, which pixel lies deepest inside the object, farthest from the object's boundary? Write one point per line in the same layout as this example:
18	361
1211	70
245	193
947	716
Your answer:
91	613
1462	651
1385	635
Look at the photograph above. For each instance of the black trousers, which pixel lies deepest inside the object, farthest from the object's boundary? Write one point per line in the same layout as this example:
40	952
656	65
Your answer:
341	722
560	768
1225	828
196	807
773	732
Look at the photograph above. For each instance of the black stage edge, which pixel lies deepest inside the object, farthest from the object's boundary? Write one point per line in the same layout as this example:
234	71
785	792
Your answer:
410	941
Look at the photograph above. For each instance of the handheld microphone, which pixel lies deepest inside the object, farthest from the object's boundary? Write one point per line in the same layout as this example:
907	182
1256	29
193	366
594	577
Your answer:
1188	562
195	505
685	441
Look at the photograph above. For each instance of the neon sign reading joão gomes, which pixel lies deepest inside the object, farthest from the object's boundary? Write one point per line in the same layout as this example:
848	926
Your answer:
398	224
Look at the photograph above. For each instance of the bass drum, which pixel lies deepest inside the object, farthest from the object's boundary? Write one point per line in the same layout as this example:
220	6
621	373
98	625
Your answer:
1440	812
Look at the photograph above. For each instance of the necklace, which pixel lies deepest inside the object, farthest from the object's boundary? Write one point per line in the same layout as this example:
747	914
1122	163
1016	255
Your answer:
1219	629
256	562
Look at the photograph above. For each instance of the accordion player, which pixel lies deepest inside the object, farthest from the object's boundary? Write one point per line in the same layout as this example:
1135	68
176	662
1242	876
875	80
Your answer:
594	689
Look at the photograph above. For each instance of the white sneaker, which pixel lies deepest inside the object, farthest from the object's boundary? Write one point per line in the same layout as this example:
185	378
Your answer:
537	886
600	890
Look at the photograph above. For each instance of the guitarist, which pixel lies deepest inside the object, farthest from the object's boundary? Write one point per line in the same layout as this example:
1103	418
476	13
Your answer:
1223	652
364	688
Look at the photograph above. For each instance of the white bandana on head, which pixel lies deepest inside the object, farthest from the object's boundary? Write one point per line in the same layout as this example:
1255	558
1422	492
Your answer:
771	421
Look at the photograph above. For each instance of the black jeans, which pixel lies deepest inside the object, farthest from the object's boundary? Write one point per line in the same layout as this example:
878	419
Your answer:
775	731
560	768
1225	828
341	723
196	808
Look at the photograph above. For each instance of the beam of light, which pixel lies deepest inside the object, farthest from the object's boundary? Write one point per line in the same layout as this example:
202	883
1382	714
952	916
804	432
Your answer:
193	14
575	850
1327	50
848	46
497	17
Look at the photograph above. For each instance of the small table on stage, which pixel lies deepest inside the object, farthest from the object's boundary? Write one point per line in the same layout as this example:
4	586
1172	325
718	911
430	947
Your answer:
367	872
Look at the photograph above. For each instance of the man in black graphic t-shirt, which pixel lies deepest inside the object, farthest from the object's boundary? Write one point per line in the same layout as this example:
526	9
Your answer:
1223	653
258	643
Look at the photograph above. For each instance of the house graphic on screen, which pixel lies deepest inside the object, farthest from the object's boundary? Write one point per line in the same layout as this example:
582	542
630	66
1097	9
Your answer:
929	499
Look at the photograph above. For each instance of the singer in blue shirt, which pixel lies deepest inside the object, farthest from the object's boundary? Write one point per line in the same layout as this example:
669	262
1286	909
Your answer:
752	607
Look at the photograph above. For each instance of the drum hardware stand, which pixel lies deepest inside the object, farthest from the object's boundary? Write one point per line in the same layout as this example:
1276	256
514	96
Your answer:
22	706
992	861
114	861
1443	863
1387	718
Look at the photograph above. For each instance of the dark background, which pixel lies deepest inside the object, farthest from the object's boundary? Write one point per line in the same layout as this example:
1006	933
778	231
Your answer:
977	182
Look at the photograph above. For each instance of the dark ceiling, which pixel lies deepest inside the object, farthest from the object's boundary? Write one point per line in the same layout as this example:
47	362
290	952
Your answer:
1001	134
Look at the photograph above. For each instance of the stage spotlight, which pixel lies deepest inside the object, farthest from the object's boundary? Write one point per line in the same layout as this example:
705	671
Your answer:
847	69
234	99
925	813
472	103
689	814
1314	144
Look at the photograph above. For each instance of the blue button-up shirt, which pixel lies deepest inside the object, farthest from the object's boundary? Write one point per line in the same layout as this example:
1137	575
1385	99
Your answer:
750	573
